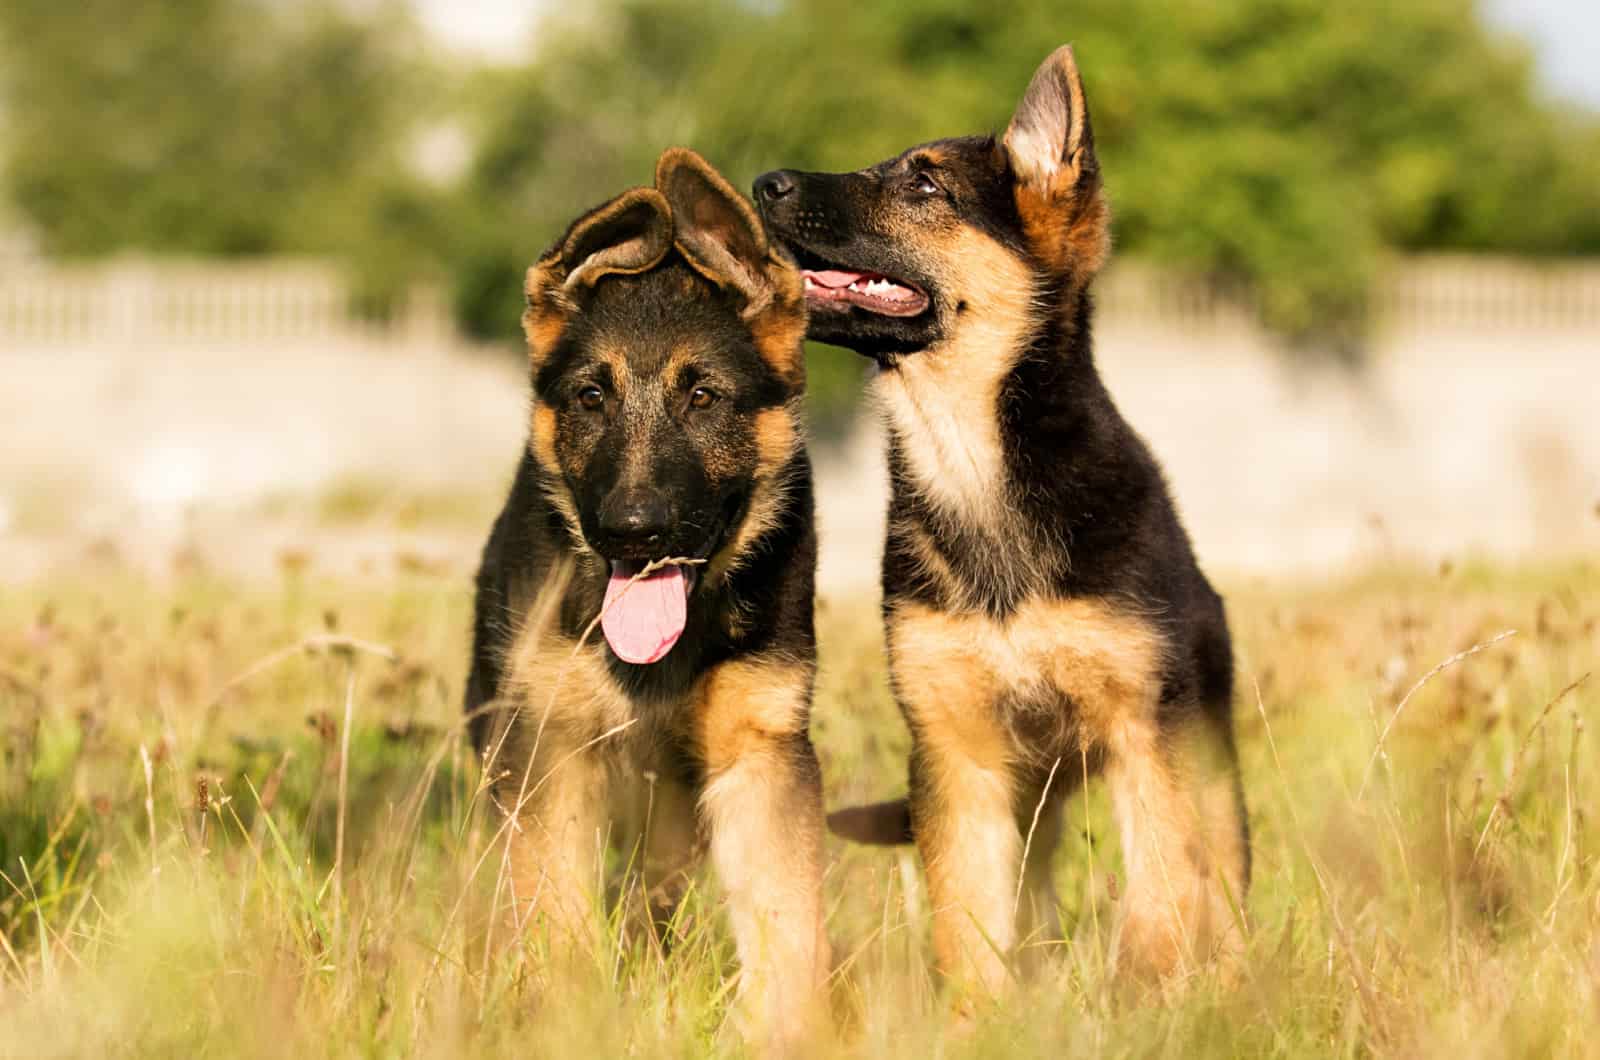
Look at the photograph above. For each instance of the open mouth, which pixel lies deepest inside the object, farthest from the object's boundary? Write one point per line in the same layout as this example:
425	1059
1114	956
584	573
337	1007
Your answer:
647	602
646	609
837	287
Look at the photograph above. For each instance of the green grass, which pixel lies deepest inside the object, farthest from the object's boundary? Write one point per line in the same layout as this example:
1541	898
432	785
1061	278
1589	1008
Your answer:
1437	898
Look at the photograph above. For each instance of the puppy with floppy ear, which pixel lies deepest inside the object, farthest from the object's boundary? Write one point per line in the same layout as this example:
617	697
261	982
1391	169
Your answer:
717	231
722	237
626	236
666	489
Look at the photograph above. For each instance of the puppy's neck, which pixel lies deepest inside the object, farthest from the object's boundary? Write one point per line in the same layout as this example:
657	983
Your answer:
1005	443
962	411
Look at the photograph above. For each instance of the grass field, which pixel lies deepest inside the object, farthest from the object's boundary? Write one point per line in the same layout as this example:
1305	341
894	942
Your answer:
237	818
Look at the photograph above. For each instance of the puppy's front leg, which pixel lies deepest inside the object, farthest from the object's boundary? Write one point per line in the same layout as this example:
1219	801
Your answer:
557	801
1185	847
762	804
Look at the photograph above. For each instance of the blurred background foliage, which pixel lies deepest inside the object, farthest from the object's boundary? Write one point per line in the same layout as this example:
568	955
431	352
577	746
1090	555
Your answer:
1283	146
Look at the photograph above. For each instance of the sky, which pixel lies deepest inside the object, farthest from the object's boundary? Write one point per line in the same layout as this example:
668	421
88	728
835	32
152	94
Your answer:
1565	34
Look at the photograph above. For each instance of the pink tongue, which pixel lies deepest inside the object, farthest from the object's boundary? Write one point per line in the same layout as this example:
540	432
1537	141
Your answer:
834	277
643	619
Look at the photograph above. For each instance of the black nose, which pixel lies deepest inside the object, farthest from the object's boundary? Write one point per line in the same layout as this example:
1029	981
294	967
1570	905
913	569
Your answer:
634	524
770	187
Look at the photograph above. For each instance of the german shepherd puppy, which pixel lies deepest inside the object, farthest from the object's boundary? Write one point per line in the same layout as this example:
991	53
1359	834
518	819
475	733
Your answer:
664	493
1045	616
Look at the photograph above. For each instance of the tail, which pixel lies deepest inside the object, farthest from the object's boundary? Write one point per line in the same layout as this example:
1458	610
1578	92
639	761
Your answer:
881	823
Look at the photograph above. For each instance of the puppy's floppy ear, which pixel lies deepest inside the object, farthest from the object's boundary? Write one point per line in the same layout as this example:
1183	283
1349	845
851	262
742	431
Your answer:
716	229
1050	146
719	233
630	234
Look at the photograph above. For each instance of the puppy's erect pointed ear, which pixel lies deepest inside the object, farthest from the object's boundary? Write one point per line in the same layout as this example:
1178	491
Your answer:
1049	138
630	234
719	233
1050	146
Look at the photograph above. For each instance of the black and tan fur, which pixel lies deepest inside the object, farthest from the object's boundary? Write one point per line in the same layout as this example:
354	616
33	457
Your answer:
1043	607
645	302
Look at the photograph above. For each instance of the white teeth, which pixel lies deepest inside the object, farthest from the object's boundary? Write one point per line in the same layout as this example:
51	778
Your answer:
874	287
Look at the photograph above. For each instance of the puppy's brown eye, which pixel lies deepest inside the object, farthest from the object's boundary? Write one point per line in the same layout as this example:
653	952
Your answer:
924	184
591	397
703	398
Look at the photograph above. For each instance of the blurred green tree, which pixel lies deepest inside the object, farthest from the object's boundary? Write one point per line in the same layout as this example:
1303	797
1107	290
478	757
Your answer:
215	127
1282	143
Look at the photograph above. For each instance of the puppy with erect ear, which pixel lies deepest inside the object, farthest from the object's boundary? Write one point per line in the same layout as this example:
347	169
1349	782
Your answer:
1050	146
1042	602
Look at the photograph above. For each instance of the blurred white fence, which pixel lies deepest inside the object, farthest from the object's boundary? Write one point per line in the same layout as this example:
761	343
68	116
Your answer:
1413	294
171	304
167	304
1491	293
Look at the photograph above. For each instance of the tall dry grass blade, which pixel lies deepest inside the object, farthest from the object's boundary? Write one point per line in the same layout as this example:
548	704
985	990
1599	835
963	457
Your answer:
150	805
315	642
1502	801
344	798
1451	900
46	959
26	905
910	885
1027	844
1366	993
308	901
1377	751
1563	880
22	972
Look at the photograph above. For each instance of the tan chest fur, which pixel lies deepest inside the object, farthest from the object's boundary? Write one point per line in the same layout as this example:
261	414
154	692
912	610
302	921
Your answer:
959	674
943	402
559	694
948	427
558	691
942	406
